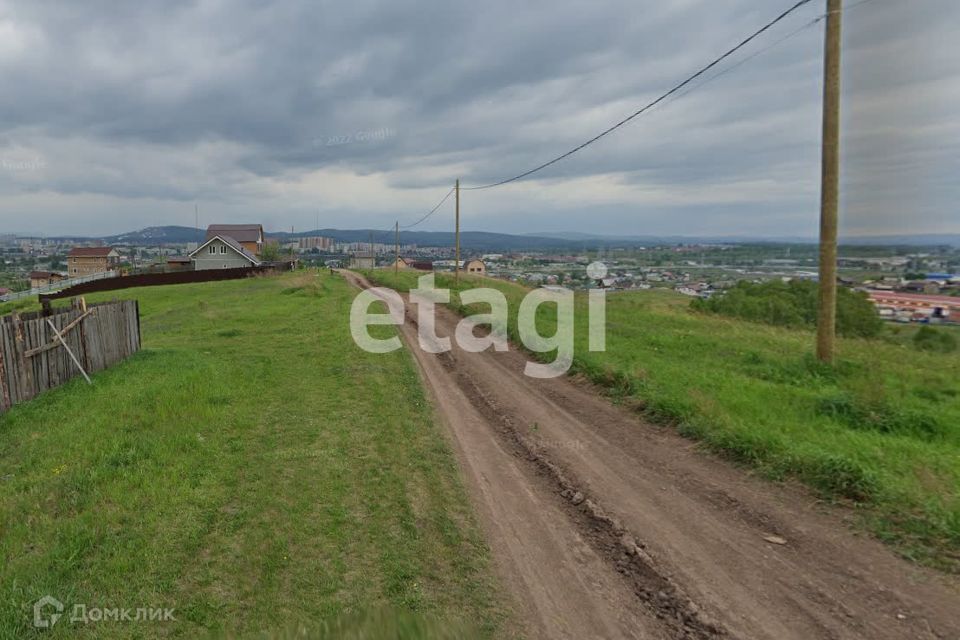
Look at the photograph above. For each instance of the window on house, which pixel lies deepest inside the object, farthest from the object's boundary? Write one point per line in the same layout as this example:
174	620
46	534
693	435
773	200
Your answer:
223	249
213	249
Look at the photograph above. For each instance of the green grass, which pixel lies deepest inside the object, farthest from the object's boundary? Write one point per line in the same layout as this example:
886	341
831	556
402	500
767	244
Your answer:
250	468
879	431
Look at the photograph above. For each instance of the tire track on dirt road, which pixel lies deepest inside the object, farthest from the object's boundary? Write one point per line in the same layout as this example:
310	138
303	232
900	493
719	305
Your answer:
603	526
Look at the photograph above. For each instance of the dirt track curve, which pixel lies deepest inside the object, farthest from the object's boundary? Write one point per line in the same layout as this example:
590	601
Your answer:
603	526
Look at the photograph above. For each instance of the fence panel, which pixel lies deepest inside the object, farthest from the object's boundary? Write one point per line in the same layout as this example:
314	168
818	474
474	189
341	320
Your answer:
33	359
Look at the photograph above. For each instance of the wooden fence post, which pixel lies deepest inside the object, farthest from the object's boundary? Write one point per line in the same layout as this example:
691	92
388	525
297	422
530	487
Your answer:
4	378
26	367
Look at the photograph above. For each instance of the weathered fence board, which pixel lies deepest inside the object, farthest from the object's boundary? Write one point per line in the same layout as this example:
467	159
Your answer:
33	360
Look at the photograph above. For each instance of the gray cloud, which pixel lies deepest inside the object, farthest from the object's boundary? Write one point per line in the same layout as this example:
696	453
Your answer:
123	115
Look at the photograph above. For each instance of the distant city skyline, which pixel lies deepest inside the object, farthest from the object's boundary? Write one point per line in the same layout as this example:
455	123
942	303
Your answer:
127	116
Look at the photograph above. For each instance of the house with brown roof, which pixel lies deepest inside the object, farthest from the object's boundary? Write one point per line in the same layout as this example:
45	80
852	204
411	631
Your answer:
44	278
179	263
412	263
84	261
248	236
222	252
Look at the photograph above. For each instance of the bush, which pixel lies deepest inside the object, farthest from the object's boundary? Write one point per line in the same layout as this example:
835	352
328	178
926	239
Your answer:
794	304
930	339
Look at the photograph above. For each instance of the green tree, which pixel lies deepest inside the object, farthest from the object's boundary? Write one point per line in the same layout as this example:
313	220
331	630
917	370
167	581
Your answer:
794	304
270	252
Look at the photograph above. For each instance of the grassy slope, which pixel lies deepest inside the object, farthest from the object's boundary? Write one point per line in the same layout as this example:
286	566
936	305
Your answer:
251	467
880	430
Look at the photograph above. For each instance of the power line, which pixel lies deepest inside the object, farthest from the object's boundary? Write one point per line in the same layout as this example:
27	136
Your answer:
431	212
675	92
755	54
772	45
649	106
422	218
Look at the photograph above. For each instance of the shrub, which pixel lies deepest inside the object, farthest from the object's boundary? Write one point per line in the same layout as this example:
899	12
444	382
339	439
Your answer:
794	304
930	339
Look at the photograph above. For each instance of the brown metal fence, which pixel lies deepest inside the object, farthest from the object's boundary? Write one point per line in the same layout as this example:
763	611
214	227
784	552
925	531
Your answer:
33	358
169	277
153	279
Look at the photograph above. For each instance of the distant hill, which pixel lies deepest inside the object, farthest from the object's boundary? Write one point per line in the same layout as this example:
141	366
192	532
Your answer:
155	235
492	242
478	240
148	236
925	240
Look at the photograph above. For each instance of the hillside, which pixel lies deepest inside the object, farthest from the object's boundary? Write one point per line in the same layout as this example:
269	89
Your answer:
252	469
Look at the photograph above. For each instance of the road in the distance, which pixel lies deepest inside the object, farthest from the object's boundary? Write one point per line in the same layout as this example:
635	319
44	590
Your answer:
603	526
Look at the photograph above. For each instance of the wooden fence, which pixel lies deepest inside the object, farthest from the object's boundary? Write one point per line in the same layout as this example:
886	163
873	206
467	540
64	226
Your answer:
33	358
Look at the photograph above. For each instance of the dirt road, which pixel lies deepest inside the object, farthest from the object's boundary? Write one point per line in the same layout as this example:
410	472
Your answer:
604	526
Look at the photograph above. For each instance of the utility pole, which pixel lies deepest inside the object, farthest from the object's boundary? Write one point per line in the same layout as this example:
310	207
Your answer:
830	185
396	231
457	258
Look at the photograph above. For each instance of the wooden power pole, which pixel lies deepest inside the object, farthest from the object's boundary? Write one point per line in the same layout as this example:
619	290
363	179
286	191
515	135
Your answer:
396	232
457	234
830	185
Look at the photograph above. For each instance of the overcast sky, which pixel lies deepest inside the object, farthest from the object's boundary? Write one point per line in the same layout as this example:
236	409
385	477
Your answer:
120	115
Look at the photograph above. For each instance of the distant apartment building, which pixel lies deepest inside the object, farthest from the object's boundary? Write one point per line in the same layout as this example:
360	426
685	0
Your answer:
85	261
376	248
248	236
315	242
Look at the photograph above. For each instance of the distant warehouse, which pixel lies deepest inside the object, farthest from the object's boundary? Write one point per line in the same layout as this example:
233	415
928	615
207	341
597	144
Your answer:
926	304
